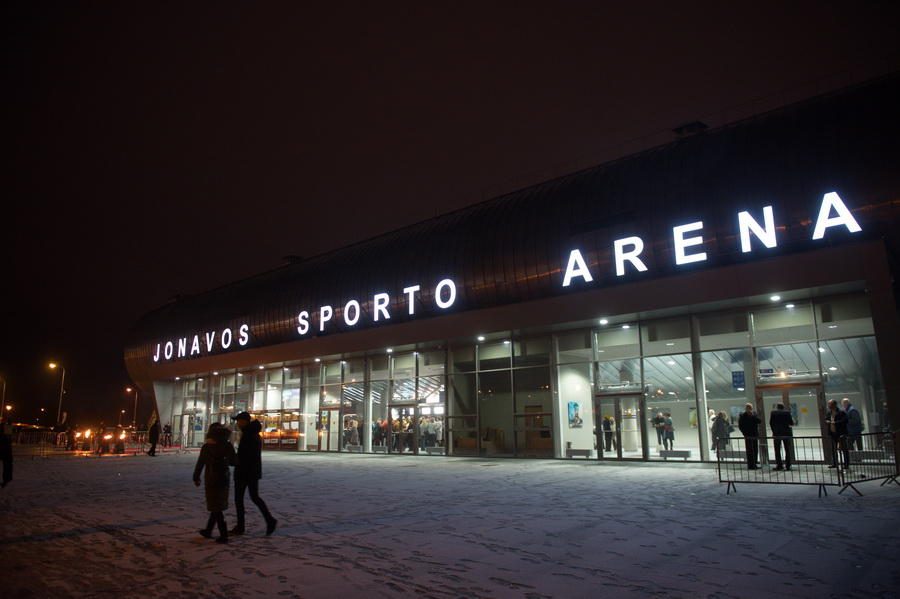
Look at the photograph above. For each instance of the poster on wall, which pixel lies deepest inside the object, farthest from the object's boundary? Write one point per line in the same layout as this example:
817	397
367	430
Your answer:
575	420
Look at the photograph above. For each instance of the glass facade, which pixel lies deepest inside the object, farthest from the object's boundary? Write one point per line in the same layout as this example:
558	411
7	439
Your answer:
642	389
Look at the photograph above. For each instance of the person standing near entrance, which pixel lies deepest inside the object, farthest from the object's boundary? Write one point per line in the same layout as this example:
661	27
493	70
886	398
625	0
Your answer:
749	423
854	425
248	471
781	423
659	423
837	430
153	437
668	432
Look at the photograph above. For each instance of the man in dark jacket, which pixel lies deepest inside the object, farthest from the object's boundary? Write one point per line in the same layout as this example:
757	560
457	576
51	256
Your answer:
153	437
749	425
781	421
248	472
836	419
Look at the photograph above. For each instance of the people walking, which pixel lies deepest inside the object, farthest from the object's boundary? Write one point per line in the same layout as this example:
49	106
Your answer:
248	472
836	419
748	423
855	425
153	437
781	422
216	455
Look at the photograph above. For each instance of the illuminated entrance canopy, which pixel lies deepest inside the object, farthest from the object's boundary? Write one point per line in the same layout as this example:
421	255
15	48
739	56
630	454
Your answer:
627	251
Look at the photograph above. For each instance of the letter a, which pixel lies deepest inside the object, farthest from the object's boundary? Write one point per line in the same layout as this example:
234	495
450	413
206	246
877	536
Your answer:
576	268
831	201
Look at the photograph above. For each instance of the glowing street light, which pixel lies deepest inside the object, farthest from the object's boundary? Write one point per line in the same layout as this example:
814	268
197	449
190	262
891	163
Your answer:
62	388
134	416
122	413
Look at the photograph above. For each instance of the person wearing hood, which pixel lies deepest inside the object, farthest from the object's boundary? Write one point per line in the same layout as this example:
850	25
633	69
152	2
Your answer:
248	472
216	455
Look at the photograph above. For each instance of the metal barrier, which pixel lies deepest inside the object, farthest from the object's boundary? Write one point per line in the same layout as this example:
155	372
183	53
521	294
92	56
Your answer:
44	444
816	461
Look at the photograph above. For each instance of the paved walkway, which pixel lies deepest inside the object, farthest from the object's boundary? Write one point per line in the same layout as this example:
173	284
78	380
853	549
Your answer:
389	526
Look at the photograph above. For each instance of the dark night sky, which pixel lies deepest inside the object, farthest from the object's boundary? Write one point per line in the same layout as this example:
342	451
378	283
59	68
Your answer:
166	148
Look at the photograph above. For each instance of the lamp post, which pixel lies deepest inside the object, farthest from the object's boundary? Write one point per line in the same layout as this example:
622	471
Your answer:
122	413
62	388
134	416
8	415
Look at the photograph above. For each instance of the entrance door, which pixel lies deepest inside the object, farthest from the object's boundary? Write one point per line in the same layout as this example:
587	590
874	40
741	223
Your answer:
620	427
403	423
329	430
807	406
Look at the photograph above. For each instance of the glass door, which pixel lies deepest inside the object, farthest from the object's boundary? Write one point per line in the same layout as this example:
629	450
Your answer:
329	429
807	407
620	427
404	430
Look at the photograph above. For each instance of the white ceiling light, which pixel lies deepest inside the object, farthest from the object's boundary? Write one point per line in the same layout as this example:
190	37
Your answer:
604	321
481	337
775	298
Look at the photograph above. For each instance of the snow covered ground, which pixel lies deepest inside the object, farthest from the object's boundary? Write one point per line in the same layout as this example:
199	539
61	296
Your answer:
389	526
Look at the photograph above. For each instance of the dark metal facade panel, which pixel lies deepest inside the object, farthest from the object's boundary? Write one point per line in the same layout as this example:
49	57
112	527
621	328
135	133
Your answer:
514	248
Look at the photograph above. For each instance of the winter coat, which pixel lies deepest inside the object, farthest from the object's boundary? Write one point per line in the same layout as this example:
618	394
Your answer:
215	457
781	422
749	424
837	423
249	453
854	421
153	433
720	428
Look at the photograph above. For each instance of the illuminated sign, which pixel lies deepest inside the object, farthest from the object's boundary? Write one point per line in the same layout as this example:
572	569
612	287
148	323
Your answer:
685	238
195	345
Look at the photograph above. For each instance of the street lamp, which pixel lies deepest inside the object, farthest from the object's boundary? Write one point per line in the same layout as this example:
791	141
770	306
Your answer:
122	413
134	416
62	388
8	410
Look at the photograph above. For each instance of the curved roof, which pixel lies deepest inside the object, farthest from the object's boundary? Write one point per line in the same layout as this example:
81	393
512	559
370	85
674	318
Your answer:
512	248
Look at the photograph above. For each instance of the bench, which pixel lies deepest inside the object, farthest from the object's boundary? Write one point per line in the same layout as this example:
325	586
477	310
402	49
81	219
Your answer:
584	453
675	453
353	448
434	450
857	457
379	449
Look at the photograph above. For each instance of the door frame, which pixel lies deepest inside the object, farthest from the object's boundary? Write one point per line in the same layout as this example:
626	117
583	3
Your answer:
785	388
641	403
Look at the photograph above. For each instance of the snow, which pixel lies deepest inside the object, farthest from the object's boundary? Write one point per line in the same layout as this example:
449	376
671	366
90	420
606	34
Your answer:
397	526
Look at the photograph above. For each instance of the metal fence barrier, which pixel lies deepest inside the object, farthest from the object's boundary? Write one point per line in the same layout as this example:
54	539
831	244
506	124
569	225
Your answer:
819	461
44	444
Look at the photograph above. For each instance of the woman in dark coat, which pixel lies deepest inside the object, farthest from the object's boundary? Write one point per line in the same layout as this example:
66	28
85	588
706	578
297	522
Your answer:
216	456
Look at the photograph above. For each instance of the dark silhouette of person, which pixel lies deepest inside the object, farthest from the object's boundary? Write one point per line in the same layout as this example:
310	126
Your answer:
153	437
248	472
216	455
781	423
167	436
836	419
6	456
748	423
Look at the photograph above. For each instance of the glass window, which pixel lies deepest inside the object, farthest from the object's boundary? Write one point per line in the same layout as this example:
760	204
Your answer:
618	341
274	384
495	355
496	410
789	363
534	351
574	347
259	392
669	382
727	387
354	415
724	330
576	406
431	362
619	376
378	395
852	371
379	368
332	372
847	316
783	323
291	393
534	412
663	337
463	414
463	358
404	366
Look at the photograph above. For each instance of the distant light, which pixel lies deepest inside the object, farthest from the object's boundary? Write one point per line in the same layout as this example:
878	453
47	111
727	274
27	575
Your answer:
832	326
775	298
262	367
177	378
285	369
671	362
215	373
506	342
390	350
626	326
318	359
604	321
52	365
201	380
832	368
671	393
688	378
481	337
343	361
790	306
670	344
821	350
740	388
240	374
127	389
